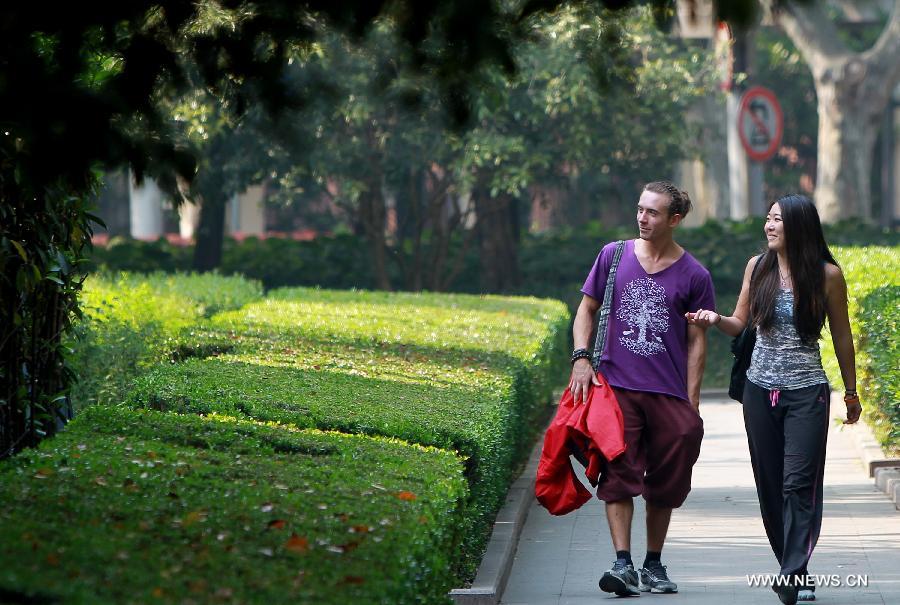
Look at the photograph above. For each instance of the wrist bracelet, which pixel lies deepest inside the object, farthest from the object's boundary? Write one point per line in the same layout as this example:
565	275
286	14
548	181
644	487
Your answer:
580	354
854	398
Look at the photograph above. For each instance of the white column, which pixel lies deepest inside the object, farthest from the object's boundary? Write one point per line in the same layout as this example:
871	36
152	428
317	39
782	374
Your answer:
146	208
690	175
251	216
188	217
738	178
232	215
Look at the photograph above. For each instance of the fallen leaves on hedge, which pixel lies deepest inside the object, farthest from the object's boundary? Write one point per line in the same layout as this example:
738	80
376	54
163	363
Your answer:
297	544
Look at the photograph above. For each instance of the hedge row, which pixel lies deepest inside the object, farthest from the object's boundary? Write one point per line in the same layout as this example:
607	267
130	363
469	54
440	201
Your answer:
132	507
132	322
240	493
873	278
459	372
551	265
879	317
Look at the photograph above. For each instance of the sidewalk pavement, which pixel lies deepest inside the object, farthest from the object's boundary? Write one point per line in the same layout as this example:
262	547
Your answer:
717	538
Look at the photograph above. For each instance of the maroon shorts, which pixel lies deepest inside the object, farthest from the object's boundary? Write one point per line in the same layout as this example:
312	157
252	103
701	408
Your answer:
662	438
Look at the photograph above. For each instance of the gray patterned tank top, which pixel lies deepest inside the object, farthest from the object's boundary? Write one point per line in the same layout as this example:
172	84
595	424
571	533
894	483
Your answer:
781	360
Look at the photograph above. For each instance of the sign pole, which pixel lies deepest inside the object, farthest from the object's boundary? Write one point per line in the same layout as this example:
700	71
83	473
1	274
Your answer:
737	163
755	188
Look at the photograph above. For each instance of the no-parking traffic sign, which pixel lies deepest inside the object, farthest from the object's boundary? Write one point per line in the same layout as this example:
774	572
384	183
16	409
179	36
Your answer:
760	123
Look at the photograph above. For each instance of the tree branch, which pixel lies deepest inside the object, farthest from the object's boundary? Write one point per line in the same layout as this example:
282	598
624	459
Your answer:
882	57
468	238
809	28
441	187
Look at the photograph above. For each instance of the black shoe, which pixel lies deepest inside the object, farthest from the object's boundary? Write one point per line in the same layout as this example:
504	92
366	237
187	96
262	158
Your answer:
787	594
655	579
622	579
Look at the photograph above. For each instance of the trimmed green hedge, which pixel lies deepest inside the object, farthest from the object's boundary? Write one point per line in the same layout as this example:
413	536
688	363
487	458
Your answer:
872	271
879	318
142	507
551	265
132	322
462	372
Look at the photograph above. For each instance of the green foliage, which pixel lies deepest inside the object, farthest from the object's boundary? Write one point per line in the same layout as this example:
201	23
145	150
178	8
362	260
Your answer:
464	373
138	256
213	292
552	264
132	322
592	108
45	234
338	261
141	507
467	373
873	276
864	269
99	82
234	150
879	319
446	321
595	103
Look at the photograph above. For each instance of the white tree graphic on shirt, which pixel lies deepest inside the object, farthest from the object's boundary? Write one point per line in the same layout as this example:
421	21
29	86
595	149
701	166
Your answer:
643	308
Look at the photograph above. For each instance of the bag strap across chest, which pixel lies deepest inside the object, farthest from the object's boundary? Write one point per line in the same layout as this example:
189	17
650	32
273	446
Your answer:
603	322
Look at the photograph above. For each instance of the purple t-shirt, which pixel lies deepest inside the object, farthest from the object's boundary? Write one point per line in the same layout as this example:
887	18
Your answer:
647	336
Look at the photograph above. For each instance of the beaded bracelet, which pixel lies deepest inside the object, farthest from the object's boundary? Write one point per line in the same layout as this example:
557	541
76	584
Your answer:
580	354
851	398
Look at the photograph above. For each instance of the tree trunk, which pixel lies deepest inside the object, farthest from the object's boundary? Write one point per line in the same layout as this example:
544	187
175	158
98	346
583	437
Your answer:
444	217
210	235
373	214
853	89
415	224
13	429
497	240
847	131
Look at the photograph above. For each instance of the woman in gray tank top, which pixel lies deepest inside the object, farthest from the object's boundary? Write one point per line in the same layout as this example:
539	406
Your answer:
796	285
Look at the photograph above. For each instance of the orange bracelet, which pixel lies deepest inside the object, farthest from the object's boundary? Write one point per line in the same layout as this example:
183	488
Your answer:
851	398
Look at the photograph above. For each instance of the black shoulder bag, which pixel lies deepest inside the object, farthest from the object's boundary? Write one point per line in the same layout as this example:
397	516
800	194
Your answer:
742	349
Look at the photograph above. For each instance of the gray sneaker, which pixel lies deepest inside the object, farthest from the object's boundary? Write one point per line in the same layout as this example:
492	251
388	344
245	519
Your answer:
622	579
655	579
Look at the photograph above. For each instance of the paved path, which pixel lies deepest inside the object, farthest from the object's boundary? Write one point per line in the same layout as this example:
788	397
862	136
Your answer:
717	537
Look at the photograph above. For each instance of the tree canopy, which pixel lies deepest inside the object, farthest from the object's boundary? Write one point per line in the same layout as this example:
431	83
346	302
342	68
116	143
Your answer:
85	77
595	100
82	87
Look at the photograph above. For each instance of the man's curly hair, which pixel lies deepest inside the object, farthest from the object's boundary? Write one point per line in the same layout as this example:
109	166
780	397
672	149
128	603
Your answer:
679	201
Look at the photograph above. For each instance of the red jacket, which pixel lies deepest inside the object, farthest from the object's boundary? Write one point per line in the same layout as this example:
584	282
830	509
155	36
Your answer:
592	432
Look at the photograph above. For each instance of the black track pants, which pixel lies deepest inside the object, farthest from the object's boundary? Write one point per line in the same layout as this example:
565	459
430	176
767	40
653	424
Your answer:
787	431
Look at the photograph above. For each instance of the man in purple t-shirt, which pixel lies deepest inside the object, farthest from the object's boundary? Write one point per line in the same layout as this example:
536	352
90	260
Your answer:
654	361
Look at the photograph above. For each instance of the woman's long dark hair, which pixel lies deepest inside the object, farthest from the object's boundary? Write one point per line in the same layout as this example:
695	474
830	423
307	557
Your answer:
807	254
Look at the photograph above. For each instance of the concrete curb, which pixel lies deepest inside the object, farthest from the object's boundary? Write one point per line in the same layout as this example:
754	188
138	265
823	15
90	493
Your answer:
493	573
886	471
887	479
